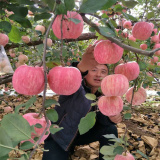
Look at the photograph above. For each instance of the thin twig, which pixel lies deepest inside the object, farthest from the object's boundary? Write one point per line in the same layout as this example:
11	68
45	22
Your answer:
45	88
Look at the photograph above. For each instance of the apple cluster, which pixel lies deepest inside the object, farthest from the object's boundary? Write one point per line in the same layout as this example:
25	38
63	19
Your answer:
116	85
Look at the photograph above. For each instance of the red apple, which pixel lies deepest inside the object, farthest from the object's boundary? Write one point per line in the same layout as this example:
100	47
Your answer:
154	59
139	96
25	39
114	85
157	45
110	106
158	64
126	156
33	119
106	52
152	25
143	46
28	80
3	39
64	80
69	28
49	42
22	58
130	70
13	55
142	30
130	37
155	39
155	30
19	64
127	24
40	28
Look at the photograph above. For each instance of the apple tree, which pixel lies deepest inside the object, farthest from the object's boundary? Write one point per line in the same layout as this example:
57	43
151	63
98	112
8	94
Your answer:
41	38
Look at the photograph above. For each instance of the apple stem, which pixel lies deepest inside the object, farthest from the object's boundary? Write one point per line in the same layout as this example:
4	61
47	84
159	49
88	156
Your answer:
61	50
45	87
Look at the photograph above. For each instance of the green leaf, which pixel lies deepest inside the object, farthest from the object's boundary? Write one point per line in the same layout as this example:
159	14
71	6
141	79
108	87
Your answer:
23	21
113	23
61	9
5	142
76	21
110	136
49	3
127	116
87	122
52	115
91	6
69	4
14	35
49	102
129	17
118	150
19	11
150	15
107	32
118	8
108	157
107	150
90	96
94	104
54	128
126	107
5	26
142	154
26	145
4	157
25	2
158	93
130	3
45	15
16	127
142	65
38	125
133	44
28	104
108	4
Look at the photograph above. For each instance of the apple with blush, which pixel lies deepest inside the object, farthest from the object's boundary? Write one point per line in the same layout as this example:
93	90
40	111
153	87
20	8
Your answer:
70	30
33	119
106	52
64	80
114	85
130	70
124	156
110	106
142	30
139	96
28	80
3	39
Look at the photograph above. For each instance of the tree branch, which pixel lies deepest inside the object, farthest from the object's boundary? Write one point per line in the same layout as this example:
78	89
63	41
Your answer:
83	36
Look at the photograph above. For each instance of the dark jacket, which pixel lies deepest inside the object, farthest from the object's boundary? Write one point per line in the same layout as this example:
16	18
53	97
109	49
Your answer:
72	108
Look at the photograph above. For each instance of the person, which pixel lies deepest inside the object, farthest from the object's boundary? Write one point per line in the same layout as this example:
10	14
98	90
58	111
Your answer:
60	146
